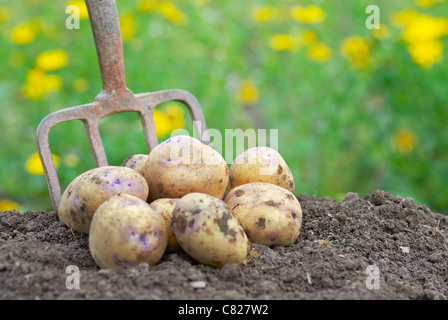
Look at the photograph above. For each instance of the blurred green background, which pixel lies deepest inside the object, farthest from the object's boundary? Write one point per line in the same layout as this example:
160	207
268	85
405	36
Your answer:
356	109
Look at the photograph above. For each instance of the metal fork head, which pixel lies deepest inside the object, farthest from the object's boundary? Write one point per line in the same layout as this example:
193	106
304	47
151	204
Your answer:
90	114
115	97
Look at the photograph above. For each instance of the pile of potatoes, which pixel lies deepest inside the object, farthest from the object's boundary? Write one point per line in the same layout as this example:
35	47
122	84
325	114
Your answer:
183	196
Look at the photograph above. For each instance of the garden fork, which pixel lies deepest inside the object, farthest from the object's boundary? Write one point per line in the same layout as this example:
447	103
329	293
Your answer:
114	97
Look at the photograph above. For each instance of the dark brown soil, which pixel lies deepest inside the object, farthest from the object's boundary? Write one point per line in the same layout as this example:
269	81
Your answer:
338	242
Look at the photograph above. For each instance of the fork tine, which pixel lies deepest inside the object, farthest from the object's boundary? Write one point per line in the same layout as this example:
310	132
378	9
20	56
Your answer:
43	147
149	130
96	145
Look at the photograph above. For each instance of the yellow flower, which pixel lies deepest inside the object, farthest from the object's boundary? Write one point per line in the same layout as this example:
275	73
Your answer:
356	49
162	123
247	93
404	141
283	42
311	14
52	60
426	53
172	13
201	3
422	34
170	118
33	164
165	8
319	52
81	4
8	205
5	14
264	13
127	26
176	115
23	33
309	37
147	5
39	83
404	18
425	28
427	3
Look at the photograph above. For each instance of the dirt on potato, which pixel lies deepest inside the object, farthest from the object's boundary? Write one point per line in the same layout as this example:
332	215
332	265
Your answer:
378	246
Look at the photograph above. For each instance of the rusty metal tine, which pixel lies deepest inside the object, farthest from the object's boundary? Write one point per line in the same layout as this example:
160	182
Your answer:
96	145
46	158
149	130
43	146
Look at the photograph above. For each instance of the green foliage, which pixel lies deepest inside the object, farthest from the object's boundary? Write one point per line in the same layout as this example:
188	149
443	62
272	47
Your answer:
340	129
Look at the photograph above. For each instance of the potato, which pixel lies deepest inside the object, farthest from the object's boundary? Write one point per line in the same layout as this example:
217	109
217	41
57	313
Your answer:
208	231
125	229
182	165
165	206
270	215
261	164
136	162
89	190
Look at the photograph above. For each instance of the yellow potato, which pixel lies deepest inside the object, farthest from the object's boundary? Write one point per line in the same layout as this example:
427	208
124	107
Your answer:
208	231
270	215
125	229
182	165
136	162
165	207
89	190
261	164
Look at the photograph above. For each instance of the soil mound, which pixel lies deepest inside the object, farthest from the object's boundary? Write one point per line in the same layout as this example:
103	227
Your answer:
377	247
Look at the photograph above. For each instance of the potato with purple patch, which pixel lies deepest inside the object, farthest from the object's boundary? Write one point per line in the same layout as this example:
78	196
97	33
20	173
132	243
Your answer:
208	231
165	206
270	215
136	162
261	164
89	190
125	229
182	165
